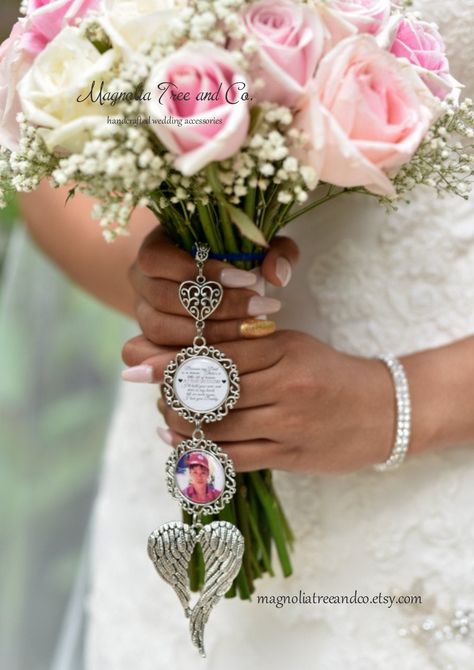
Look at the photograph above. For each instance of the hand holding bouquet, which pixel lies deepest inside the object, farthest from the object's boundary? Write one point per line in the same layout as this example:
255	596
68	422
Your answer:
229	119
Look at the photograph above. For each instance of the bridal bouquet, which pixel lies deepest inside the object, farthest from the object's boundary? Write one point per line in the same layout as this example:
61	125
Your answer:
229	119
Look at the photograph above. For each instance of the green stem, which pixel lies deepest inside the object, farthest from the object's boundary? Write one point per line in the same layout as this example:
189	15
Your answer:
279	221
256	567
232	592
209	230
229	514
273	516
226	225
317	203
230	240
270	214
244	525
246	245
177	228
265	524
194	584
244	590
214	217
260	543
249	204
286	526
261	522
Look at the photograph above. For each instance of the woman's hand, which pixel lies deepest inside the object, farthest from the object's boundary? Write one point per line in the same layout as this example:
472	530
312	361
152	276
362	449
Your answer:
160	268
304	406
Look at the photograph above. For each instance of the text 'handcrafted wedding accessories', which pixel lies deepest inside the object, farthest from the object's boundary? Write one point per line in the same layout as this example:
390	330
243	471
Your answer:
202	385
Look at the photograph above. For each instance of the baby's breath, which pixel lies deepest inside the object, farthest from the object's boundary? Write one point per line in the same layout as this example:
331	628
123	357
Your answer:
268	155
445	158
24	169
120	168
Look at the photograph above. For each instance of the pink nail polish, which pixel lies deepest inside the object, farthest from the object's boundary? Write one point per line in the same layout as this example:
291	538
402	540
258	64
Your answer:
283	271
142	374
165	435
235	278
261	305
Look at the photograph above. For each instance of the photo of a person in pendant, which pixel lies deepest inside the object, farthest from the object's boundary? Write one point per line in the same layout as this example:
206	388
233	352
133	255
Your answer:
200	488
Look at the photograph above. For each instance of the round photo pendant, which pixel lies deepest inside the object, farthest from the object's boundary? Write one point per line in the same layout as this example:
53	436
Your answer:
201	384
200	477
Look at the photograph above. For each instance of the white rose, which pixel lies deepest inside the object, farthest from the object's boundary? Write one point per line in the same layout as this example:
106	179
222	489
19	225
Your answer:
131	23
61	74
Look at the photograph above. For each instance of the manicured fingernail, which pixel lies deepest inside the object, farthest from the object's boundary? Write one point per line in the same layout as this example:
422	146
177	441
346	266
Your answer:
235	278
259	305
140	373
257	328
283	270
165	435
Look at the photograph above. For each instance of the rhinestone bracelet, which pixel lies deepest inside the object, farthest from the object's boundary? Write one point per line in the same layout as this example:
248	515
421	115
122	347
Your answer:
402	394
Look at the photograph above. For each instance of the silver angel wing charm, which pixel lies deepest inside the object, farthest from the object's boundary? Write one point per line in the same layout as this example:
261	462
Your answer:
222	547
170	548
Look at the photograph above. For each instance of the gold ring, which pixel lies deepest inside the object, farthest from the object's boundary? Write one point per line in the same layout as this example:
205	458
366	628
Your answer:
251	328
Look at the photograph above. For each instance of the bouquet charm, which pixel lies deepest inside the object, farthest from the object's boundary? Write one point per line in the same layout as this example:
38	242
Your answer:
202	385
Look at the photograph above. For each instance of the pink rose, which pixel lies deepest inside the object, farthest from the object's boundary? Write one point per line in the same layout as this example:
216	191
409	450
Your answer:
46	18
372	112
421	44
199	108
367	16
14	63
291	40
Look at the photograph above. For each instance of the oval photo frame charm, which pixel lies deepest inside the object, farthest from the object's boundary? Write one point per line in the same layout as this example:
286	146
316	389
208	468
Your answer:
201	384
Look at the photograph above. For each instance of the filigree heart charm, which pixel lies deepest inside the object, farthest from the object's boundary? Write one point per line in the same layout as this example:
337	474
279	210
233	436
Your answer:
200	299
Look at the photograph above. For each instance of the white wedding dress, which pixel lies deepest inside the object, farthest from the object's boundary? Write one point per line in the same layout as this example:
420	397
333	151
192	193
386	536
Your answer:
368	282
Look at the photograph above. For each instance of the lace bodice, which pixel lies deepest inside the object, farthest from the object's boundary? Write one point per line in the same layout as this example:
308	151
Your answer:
368	282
